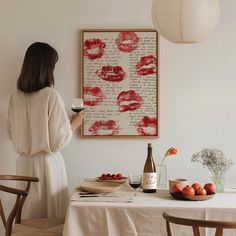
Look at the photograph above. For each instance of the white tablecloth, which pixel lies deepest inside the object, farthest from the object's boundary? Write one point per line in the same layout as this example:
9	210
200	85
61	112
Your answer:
143	216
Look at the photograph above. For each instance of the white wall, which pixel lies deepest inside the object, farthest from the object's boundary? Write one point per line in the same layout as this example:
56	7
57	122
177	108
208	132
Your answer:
197	84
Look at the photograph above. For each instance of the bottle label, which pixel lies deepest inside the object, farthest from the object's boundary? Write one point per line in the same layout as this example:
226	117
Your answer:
149	180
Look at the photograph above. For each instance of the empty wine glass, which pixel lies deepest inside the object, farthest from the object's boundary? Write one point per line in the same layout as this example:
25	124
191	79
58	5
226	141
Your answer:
135	181
77	105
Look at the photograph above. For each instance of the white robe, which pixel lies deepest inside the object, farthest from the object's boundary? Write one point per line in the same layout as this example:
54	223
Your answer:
39	127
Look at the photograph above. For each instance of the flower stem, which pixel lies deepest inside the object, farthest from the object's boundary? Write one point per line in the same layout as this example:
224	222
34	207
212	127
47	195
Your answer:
159	176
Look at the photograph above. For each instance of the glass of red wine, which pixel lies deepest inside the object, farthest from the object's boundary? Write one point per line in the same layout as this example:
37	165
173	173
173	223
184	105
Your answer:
135	181
77	105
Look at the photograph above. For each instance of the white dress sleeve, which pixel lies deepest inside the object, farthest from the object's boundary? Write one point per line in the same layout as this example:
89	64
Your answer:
6	121
59	127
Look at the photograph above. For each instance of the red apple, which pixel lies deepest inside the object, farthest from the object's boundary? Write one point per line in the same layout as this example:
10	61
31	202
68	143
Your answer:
188	191
196	186
210	188
200	191
176	188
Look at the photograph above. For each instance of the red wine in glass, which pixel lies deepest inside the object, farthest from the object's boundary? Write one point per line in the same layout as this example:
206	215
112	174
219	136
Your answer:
135	181
77	109
77	105
135	185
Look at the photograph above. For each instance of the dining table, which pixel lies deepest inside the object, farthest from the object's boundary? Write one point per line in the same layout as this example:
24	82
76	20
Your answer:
120	213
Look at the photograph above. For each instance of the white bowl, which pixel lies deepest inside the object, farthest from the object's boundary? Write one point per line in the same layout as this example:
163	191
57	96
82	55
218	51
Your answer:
182	182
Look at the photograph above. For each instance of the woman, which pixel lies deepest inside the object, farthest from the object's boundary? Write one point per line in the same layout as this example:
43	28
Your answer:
39	127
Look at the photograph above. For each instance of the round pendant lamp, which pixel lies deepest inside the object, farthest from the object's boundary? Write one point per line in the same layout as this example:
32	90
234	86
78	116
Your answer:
185	21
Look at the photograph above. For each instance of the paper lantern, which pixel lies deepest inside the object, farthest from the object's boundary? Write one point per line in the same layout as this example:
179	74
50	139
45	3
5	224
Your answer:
185	21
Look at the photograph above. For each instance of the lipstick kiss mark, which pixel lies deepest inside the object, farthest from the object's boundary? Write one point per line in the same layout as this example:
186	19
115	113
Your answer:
94	48
129	101
146	65
102	127
127	41
147	126
93	96
111	73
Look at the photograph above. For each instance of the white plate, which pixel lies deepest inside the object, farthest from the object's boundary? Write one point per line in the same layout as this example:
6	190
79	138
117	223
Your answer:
121	181
99	187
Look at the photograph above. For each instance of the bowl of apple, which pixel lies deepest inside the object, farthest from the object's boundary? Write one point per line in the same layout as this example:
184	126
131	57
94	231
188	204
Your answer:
194	192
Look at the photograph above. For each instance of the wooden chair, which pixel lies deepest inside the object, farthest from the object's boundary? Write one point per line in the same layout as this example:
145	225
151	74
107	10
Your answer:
218	225
31	227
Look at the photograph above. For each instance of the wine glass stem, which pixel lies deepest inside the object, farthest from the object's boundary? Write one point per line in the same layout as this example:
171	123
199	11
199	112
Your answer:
135	192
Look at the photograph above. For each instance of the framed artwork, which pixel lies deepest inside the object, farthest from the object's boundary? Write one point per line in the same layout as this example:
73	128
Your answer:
119	83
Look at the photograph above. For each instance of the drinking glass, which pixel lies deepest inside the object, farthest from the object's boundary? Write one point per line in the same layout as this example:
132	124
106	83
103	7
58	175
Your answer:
77	105
135	181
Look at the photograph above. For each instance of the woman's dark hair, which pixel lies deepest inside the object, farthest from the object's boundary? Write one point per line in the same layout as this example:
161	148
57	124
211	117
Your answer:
38	67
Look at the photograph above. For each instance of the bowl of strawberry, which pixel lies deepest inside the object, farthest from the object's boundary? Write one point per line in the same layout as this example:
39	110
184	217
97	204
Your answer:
194	192
109	177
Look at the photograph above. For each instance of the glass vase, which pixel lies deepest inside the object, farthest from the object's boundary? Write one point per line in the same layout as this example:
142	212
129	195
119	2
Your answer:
218	179
161	176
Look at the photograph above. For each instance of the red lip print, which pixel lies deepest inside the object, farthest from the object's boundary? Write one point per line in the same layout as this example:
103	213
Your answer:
146	65
147	126
93	96
127	41
94	48
128	96
111	73
102	127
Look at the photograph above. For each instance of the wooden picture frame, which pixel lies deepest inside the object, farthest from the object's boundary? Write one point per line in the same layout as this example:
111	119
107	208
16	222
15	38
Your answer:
120	82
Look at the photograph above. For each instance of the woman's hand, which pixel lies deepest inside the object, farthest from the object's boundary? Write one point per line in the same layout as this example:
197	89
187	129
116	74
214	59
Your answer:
76	120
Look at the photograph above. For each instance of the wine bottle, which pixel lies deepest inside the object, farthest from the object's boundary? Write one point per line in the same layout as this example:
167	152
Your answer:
149	173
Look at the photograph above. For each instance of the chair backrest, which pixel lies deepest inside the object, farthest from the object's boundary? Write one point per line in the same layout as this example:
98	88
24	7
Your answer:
21	195
218	225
